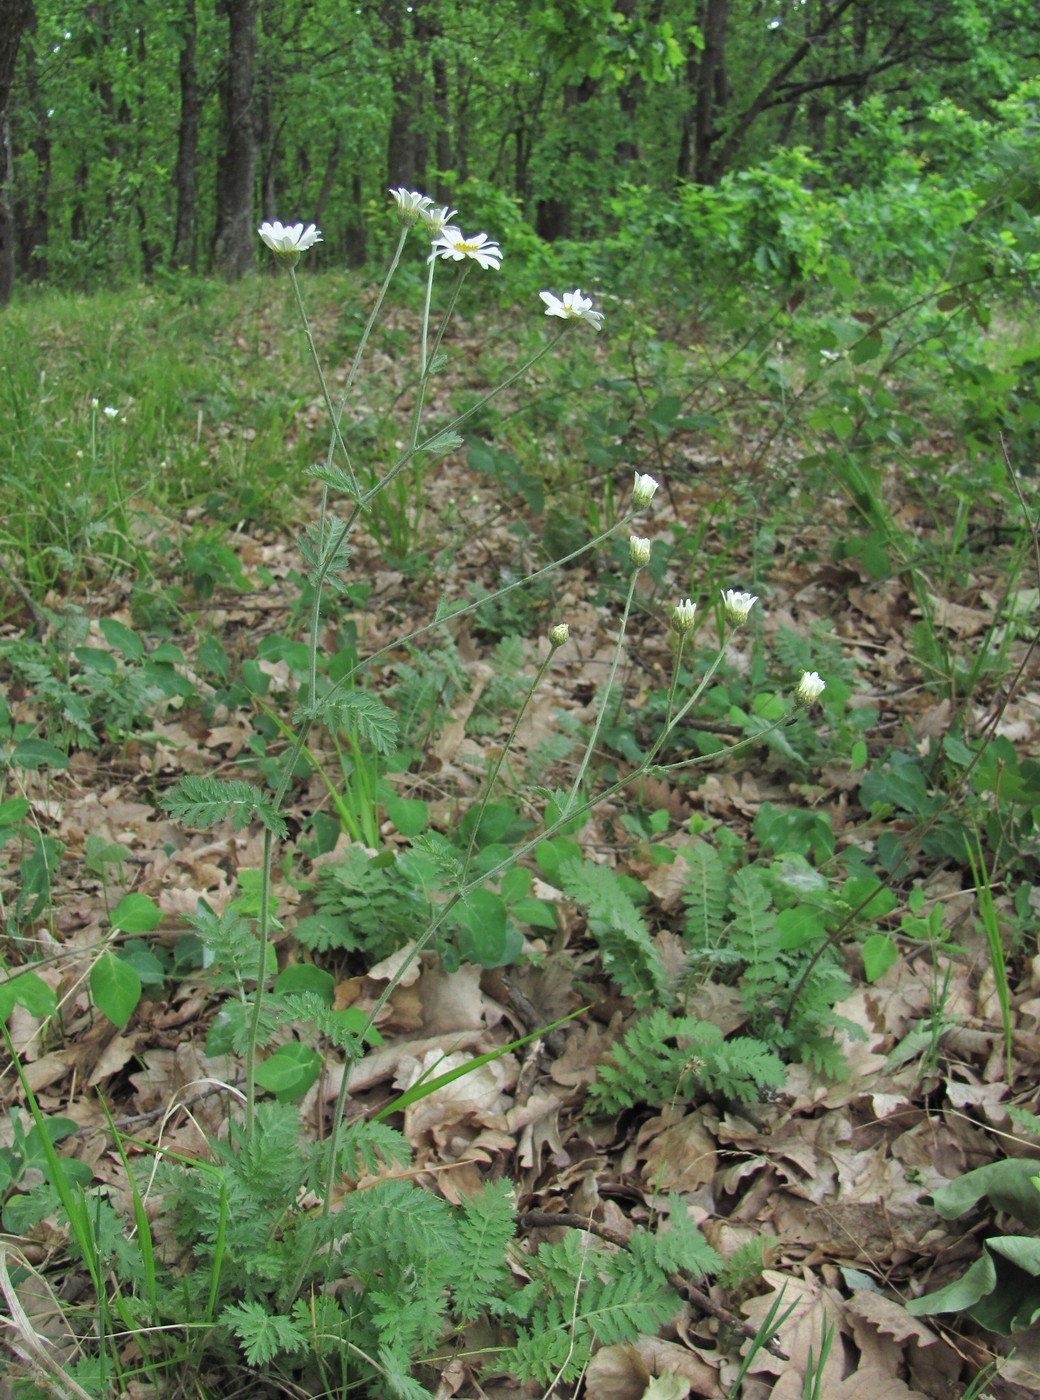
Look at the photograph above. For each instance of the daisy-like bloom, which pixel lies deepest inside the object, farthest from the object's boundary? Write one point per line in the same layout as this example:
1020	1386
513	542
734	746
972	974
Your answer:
638	551
110	412
643	489
410	204
572	307
683	615
436	219
559	634
738	605
289	240
809	688
452	244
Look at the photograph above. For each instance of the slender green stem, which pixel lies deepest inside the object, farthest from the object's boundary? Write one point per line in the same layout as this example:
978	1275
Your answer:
590	746
676	668
459	419
496	767
426	317
321	379
480	602
261	979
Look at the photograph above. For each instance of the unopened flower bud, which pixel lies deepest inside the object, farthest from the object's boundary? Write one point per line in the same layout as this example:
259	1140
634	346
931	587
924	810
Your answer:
638	551
809	689
559	634
683	615
643	489
738	605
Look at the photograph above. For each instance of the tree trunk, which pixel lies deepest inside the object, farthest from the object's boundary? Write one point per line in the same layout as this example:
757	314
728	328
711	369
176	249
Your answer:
14	20
711	92
236	169
406	146
31	207
185	172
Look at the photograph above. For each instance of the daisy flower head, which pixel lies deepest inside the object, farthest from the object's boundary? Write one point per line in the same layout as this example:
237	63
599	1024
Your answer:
455	246
289	240
410	204
809	688
436	219
572	306
738	605
683	615
643	489
638	551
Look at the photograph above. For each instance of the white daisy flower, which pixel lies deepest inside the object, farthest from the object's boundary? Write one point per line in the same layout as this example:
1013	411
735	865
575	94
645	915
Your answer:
410	204
683	615
453	245
437	218
572	307
738	605
643	489
289	240
809	688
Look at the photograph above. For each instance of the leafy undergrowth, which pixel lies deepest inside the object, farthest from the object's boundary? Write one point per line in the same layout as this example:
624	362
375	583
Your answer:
801	977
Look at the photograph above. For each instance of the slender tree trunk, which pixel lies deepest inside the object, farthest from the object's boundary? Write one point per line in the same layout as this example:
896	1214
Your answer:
236	169
707	77
406	146
185	172
31	216
14	20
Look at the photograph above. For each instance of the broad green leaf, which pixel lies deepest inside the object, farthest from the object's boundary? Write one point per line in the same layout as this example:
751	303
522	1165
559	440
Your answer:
879	953
28	990
116	988
1007	1186
121	638
409	815
290	1071
305	977
136	913
37	753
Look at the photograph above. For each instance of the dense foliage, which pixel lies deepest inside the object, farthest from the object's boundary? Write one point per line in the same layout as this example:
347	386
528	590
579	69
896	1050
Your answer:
149	137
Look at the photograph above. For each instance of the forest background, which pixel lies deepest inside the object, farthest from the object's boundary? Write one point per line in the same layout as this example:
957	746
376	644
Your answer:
138	139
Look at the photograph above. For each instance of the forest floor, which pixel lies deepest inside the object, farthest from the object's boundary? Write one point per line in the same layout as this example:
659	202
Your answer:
831	1177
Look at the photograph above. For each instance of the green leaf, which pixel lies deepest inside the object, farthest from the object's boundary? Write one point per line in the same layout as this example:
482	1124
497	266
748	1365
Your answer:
28	990
409	815
136	913
1007	1186
116	988
120	638
879	953
13	810
349	709
203	801
37	753
290	1071
305	977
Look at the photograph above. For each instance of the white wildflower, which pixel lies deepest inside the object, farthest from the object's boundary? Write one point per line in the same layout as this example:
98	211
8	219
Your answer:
809	688
572	307
452	244
436	219
643	489
289	240
638	551
683	615
410	204
738	605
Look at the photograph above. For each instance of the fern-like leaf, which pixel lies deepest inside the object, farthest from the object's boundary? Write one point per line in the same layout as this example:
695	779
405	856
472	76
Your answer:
204	801
629	954
349	709
486	1224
